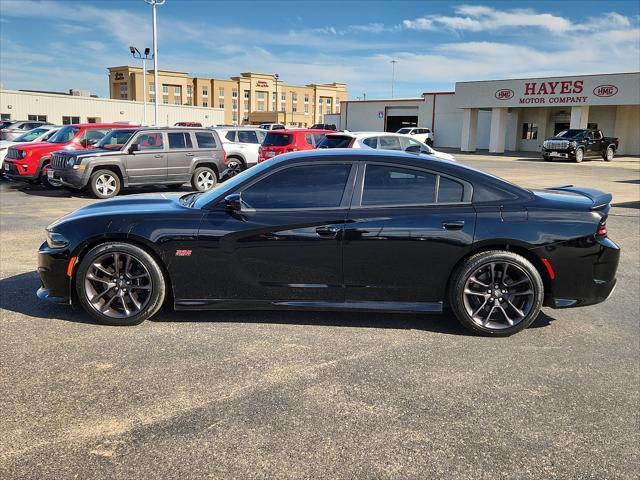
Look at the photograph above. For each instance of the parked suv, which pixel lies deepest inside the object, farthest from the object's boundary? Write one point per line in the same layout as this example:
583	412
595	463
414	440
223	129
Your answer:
272	126
29	162
146	156
283	141
424	135
242	145
15	129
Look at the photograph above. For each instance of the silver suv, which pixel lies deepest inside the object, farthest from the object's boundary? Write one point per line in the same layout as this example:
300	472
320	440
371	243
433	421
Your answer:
144	156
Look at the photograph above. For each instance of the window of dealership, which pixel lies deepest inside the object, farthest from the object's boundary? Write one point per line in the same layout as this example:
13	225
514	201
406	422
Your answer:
512	115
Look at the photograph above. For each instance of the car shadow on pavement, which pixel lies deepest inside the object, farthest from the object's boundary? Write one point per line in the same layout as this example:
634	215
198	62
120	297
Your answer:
17	294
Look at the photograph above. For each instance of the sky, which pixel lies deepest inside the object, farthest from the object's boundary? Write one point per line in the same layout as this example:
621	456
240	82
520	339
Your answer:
63	44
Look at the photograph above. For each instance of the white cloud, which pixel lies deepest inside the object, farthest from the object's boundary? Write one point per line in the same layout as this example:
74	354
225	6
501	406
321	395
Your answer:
419	24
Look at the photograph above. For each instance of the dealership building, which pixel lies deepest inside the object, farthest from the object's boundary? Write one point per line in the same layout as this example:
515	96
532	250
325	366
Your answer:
511	115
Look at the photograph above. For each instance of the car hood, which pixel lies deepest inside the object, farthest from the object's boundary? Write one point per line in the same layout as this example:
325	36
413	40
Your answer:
124	208
93	152
7	143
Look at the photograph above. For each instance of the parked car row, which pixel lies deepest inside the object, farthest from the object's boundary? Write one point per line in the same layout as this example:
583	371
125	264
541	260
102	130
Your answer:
106	157
13	129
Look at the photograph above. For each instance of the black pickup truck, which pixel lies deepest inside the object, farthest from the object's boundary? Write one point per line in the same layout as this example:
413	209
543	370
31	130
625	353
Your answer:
577	143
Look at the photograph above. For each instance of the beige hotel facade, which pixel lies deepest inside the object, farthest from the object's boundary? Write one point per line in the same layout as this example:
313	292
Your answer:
249	98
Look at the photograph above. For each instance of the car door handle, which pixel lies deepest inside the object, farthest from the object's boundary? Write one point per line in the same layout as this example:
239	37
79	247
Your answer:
453	225
189	154
157	156
329	232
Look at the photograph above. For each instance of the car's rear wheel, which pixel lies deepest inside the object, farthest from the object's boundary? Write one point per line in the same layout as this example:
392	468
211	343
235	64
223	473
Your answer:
203	179
105	184
234	167
579	155
608	154
496	293
120	284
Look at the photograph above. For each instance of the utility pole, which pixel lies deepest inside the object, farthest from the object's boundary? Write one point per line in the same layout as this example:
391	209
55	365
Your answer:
393	74
136	54
154	4
276	76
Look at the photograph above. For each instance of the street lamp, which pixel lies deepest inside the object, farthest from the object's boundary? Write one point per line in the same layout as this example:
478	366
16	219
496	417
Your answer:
154	4
393	74
276	77
136	54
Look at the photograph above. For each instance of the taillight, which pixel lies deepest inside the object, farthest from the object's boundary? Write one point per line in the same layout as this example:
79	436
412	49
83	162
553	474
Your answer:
224	157
602	227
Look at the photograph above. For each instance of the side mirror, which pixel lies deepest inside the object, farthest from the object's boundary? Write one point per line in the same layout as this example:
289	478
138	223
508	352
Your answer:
233	202
86	143
134	148
413	149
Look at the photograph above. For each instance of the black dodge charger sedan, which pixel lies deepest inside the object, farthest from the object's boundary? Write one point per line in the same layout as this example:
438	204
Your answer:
339	229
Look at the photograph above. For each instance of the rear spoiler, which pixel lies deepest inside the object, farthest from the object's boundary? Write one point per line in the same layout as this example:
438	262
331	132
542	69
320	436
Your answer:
598	199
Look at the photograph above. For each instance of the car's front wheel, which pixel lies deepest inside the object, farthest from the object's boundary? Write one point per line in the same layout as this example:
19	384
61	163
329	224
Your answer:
496	293
203	179
120	284
105	184
579	155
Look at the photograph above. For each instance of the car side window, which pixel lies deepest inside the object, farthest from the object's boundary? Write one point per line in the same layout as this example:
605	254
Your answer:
308	138
409	144
205	140
303	186
247	136
449	191
179	140
389	143
261	134
318	137
93	136
231	136
371	142
597	135
391	185
149	141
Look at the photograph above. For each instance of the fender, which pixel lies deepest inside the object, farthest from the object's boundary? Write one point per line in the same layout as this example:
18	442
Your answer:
106	163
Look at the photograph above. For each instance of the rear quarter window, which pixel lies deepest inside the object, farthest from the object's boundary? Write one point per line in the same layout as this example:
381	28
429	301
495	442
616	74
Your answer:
205	140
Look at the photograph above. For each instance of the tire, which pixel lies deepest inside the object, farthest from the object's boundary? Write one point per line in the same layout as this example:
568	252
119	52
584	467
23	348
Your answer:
150	299
608	154
547	158
104	184
235	166
203	179
471	293
579	155
44	180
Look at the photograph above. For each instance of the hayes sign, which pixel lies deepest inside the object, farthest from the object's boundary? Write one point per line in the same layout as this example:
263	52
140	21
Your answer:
567	91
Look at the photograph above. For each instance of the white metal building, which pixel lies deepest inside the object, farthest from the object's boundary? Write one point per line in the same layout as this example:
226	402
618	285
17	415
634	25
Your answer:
63	109
511	115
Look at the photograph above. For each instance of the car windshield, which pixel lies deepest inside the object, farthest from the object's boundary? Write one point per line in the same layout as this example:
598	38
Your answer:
31	135
335	141
277	139
229	185
65	134
571	133
404	130
115	139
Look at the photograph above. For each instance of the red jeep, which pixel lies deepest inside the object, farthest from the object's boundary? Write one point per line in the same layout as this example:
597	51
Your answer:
283	141
29	162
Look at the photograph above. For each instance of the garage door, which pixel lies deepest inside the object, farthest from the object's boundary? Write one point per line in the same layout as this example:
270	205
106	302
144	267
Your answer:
400	117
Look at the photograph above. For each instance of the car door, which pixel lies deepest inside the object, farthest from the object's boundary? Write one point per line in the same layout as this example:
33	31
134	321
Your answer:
285	243
597	143
249	143
179	155
147	162
406	230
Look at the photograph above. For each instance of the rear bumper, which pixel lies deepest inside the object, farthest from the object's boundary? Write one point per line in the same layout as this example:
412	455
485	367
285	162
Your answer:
52	269
585	272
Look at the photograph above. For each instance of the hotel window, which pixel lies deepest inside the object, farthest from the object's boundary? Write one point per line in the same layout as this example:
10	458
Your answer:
124	91
234	105
319	108
260	100
337	104
247	94
234	93
235	116
177	91
221	103
274	98
205	92
306	109
152	88
221	92
176	101
165	89
165	99
294	97
529	131
189	91
328	108
306	98
205	104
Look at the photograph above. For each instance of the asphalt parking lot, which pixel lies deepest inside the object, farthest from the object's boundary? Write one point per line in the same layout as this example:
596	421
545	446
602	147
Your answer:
319	395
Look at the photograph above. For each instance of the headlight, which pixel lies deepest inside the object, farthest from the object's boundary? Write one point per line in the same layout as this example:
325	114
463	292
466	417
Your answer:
56	240
23	154
71	161
573	144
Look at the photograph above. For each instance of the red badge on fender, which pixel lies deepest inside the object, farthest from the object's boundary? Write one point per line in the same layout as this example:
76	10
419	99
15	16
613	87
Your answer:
183	253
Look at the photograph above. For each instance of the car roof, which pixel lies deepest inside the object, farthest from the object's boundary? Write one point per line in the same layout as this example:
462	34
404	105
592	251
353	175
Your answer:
300	130
368	134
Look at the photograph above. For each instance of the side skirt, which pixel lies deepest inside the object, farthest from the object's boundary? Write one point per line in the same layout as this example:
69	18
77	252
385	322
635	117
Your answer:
219	304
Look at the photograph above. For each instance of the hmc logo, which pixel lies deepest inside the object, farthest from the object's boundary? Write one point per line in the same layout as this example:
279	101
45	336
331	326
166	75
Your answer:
504	94
605	91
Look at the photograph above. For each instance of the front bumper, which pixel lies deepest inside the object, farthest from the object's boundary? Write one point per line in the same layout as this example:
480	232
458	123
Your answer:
52	269
70	177
16	172
570	154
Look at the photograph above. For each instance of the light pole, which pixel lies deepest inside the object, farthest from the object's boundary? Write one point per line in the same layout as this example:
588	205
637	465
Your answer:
136	54
276	76
393	74
154	4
